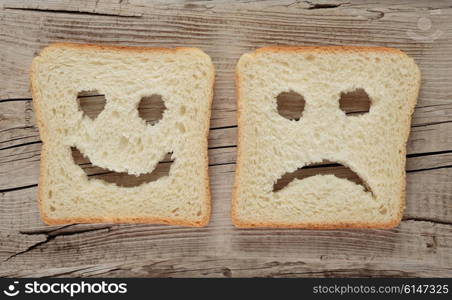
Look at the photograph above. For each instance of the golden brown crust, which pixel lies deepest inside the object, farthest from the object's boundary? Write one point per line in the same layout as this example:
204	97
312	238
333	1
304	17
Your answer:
208	204
327	49
234	218
344	225
167	221
403	152
136	49
43	134
341	225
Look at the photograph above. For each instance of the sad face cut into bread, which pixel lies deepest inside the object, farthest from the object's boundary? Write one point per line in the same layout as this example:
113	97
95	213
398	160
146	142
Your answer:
118	140
372	145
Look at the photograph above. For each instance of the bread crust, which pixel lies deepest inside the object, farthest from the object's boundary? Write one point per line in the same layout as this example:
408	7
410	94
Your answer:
44	137
116	48
327	49
310	225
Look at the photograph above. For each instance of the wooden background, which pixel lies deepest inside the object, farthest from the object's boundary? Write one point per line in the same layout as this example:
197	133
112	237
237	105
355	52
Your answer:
420	246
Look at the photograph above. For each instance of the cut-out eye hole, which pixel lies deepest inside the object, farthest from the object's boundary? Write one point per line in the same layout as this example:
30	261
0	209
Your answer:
323	168
356	102
122	179
151	109
91	103
290	105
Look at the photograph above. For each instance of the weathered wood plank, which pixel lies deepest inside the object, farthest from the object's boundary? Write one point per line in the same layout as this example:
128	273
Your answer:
226	31
428	195
17	123
211	266
420	246
428	192
100	8
413	249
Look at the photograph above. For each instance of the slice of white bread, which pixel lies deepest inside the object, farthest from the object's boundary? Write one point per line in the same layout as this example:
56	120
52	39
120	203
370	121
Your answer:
372	145
118	139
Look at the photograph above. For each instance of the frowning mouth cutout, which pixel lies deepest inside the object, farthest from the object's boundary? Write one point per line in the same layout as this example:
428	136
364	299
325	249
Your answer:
324	168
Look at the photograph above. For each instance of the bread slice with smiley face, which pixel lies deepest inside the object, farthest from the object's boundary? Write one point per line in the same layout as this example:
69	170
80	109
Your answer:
118	140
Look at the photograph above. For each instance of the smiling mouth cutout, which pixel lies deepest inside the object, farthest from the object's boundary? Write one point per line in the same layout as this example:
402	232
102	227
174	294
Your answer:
324	168
121	179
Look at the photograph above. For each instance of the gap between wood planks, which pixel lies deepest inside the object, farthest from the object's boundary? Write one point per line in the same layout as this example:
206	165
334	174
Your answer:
93	13
95	8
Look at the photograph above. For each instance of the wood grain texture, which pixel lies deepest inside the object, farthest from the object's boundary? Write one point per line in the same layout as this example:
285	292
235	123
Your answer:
420	246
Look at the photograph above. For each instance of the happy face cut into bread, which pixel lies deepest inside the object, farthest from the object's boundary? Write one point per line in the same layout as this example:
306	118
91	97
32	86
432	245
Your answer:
120	142
372	145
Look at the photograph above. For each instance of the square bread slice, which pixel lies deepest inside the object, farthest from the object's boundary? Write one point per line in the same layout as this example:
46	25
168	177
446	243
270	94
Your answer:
118	141
371	145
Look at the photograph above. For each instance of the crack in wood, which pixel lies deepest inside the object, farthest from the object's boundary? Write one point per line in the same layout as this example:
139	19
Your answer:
222	164
433	105
430	123
30	248
18	188
80	269
56	11
224	127
21	145
89	268
323	5
428	153
430	220
429	169
220	147
379	13
14	100
53	234
18	127
69	229
28	158
46	230
19	138
353	272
